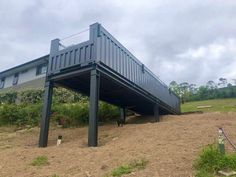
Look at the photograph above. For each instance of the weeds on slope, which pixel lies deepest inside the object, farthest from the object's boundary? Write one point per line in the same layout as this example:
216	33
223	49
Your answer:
211	161
40	161
128	168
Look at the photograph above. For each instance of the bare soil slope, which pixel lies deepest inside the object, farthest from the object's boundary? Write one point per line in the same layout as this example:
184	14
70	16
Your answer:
170	146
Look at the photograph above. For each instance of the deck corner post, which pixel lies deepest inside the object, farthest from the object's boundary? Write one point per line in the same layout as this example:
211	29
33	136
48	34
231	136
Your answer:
123	114
156	113
93	108
45	120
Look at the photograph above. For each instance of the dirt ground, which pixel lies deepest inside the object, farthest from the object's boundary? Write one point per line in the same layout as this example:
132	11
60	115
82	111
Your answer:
170	146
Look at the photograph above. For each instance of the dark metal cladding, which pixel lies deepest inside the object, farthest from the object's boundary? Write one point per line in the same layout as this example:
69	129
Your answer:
102	48
103	68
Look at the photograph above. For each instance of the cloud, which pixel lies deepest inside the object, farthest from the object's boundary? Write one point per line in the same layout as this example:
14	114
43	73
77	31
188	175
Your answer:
212	61
191	41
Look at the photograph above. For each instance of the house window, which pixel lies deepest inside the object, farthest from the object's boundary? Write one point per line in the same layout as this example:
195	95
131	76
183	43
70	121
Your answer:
41	69
24	71
15	79
2	82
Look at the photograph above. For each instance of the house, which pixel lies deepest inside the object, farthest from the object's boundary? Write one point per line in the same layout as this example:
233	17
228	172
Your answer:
30	75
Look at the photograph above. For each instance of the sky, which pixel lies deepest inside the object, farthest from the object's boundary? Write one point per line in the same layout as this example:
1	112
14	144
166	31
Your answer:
190	41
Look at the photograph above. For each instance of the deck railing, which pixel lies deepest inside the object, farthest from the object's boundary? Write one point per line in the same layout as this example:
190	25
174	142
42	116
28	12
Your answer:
102	47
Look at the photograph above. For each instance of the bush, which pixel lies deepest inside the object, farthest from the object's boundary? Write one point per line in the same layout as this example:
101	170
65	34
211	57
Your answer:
31	96
211	161
20	114
78	113
107	111
69	108
60	95
71	114
8	97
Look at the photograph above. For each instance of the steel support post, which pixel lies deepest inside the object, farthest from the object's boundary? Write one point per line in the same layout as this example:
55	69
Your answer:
93	108
122	115
43	138
156	113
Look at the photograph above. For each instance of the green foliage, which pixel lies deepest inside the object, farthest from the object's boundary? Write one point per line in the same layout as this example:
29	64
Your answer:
211	161
203	173
71	114
20	114
189	92
40	161
8	97
69	108
75	114
124	169
55	175
107	111
60	95
128	168
31	96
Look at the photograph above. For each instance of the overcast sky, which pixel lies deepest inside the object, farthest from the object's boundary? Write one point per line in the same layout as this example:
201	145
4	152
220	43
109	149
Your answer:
188	40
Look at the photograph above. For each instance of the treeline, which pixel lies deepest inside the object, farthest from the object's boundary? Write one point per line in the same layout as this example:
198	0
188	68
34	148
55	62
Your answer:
190	92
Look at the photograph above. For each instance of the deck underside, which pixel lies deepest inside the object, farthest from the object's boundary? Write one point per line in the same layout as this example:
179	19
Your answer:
113	90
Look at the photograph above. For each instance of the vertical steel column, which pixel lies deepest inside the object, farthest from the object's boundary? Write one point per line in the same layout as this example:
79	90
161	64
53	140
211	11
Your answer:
43	138
93	108
156	113
122	114
45	120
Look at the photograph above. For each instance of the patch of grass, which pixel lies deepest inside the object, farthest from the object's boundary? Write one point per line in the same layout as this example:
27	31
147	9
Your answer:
129	168
203	173
40	161
55	175
221	105
211	161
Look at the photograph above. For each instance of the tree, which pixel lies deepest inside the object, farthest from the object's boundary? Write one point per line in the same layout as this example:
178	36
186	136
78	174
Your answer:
229	85
193	88
211	85
174	87
223	82
184	91
234	81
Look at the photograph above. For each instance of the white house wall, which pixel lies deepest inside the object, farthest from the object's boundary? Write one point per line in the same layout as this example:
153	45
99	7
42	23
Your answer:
23	77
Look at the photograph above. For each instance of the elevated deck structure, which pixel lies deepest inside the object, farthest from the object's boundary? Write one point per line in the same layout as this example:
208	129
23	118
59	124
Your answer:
102	68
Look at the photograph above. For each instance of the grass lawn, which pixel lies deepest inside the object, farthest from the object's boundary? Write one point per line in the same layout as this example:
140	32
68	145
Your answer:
220	105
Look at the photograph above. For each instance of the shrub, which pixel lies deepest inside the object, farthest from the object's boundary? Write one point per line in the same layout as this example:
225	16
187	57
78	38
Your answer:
107	111
8	97
78	113
71	114
31	96
211	161
69	108
61	95
8	114
20	114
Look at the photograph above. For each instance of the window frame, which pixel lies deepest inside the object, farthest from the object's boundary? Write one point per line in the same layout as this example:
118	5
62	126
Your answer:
39	69
15	79
2	83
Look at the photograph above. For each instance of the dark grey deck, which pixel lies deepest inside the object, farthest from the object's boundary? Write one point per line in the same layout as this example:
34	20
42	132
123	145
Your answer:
104	69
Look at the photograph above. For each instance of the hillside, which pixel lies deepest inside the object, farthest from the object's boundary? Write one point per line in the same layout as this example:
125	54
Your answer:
169	147
217	105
